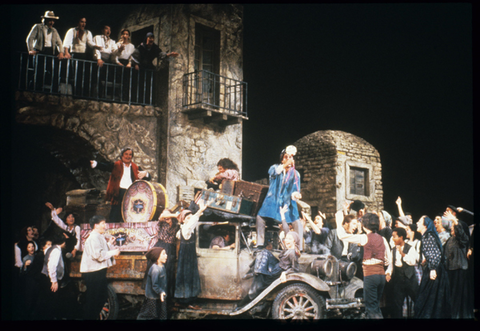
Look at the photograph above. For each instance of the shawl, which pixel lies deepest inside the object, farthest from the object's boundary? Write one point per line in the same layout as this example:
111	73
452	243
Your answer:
431	228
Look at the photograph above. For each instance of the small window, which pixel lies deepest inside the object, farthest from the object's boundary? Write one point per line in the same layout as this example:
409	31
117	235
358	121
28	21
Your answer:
358	181
219	234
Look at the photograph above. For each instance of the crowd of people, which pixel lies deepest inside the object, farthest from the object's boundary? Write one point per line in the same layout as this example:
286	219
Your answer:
409	269
80	44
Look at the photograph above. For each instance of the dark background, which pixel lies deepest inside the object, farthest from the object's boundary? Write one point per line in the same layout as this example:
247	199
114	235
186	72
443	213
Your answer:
397	75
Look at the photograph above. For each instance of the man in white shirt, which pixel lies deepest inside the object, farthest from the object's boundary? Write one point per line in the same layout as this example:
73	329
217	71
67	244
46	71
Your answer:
76	44
96	258
50	285
107	46
77	40
402	271
123	173
44	38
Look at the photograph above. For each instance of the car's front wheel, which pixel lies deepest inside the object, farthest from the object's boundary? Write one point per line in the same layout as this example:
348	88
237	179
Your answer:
298	301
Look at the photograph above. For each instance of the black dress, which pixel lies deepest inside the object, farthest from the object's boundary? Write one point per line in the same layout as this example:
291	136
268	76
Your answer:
457	268
187	284
433	299
168	241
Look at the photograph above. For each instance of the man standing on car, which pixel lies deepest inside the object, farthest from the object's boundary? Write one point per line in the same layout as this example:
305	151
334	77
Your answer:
284	190
96	258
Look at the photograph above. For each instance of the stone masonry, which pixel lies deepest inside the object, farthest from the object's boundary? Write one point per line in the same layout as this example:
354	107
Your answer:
190	149
324	159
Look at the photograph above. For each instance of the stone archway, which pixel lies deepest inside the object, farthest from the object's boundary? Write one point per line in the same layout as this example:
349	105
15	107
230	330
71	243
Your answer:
47	163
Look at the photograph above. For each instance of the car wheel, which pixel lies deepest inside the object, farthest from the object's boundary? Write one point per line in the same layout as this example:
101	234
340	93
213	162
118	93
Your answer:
111	307
298	301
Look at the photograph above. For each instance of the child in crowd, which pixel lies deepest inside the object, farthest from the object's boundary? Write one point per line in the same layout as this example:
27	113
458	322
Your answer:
155	304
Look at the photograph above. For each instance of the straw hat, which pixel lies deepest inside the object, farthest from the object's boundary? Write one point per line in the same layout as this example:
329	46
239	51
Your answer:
50	14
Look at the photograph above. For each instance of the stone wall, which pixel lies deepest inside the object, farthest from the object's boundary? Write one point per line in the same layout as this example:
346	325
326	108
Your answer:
190	149
105	127
324	159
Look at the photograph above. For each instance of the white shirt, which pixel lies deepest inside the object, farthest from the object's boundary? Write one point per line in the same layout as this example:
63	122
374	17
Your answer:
55	260
75	45
361	239
96	253
65	227
188	226
126	180
48	36
108	46
410	259
126	53
18	257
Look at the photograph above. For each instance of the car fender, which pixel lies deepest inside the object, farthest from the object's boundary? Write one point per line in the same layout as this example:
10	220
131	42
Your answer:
302	277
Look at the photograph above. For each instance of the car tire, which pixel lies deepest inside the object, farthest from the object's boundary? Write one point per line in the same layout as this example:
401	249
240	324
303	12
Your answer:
111	307
298	301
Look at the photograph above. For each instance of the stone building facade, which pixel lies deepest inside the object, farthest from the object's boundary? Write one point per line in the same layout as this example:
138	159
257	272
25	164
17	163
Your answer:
335	167
180	147
189	148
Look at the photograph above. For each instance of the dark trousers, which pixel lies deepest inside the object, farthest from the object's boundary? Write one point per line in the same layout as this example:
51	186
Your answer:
372	292
77	73
402	287
48	305
116	208
96	294
45	69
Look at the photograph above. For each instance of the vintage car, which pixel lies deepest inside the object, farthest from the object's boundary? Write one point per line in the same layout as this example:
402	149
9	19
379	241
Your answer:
323	288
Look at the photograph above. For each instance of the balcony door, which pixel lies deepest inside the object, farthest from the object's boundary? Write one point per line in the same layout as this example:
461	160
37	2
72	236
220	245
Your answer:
207	57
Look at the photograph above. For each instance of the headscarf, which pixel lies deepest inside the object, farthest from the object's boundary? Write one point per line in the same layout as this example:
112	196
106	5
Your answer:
296	238
431	228
387	217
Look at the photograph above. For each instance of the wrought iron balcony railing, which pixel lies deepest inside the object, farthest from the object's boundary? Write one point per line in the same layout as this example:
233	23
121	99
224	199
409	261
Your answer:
206	90
85	79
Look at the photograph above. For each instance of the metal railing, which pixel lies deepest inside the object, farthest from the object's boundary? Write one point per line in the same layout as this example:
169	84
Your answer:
85	79
204	88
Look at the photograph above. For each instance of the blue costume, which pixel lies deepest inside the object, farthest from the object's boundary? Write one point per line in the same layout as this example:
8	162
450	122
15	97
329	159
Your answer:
280	193
282	185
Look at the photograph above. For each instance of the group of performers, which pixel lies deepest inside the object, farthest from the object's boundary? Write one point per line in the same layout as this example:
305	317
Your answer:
162	282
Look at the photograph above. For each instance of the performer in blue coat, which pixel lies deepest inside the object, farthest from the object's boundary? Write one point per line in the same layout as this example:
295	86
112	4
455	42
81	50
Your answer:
284	190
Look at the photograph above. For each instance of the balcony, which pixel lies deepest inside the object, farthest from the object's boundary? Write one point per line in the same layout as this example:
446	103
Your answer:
83	79
214	98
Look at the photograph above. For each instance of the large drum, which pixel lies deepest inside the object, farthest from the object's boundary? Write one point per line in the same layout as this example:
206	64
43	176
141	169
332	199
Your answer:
143	202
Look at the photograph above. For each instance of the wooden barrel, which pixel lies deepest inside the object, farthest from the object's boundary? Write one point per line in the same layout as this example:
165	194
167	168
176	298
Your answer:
143	202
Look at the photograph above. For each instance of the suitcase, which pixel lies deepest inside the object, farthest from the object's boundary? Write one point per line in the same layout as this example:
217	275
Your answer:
227	203
251	191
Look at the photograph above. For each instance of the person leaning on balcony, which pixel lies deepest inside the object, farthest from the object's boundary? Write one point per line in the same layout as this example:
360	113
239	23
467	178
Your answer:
124	50
43	37
76	41
107	46
147	51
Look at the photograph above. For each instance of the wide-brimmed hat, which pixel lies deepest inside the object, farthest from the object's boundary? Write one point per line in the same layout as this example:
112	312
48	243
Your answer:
50	14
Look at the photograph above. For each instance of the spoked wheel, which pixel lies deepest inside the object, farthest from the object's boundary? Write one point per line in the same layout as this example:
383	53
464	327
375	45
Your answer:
298	301
111	307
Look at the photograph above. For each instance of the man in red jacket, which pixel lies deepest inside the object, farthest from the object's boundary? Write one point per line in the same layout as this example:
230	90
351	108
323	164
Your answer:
124	173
